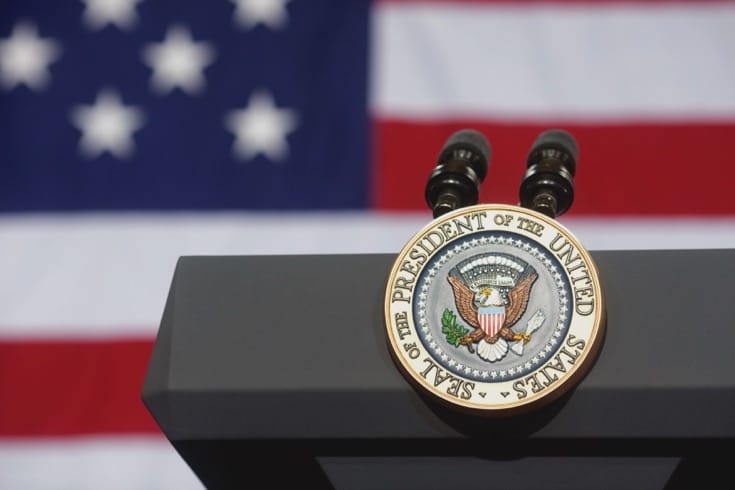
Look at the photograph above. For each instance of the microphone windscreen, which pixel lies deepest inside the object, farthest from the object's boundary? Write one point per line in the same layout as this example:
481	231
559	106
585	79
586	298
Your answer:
560	140
472	141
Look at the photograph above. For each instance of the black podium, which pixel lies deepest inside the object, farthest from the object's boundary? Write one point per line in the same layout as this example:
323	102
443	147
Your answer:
276	368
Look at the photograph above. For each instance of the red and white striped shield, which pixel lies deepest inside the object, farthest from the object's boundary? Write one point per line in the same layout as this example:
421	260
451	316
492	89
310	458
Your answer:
491	319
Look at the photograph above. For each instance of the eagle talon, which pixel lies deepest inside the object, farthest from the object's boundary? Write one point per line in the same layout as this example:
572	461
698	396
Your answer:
467	340
525	337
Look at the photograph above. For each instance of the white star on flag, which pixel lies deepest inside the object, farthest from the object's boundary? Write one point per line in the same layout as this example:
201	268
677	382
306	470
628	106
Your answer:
25	57
178	62
261	128
107	125
271	13
99	13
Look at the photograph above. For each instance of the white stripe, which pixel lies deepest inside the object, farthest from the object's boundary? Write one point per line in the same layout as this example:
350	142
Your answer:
99	276
612	61
122	463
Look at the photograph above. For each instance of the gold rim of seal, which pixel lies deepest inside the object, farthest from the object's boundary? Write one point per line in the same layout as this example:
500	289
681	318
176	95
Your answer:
576	372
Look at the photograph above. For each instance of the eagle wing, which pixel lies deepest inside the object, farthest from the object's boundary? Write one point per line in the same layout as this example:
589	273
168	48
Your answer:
464	298
518	300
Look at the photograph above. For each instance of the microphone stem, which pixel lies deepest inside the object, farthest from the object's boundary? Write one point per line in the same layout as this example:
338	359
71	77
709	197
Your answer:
447	201
545	202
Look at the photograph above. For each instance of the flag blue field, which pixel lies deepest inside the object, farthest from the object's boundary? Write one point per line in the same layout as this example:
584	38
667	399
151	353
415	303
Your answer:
184	106
136	131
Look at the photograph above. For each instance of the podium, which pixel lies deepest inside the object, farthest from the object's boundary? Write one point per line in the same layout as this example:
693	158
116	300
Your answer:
275	368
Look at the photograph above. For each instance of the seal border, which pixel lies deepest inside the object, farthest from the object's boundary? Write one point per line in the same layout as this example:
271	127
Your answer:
576	372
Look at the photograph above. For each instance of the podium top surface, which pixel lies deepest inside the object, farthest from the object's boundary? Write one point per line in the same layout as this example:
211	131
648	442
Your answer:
294	347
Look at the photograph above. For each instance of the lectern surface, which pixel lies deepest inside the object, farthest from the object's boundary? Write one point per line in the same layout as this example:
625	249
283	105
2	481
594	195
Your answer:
293	347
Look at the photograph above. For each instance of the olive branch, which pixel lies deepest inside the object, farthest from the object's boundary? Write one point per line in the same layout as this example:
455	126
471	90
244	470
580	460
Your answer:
454	331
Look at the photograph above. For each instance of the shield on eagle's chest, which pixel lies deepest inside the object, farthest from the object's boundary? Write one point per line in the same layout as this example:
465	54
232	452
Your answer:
491	319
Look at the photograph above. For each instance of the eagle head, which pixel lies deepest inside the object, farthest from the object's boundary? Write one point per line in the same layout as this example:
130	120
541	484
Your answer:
489	297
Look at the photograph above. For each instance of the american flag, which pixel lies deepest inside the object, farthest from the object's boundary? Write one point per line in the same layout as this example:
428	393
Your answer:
136	131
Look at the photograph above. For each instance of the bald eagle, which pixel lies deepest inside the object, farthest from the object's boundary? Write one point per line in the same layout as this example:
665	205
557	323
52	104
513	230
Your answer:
492	318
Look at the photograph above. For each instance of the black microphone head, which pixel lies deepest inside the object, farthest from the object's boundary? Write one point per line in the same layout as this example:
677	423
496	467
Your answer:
461	166
470	145
555	143
548	185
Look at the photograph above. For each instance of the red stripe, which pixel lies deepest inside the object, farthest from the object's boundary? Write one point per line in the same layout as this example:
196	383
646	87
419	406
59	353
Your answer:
642	168
498	322
73	388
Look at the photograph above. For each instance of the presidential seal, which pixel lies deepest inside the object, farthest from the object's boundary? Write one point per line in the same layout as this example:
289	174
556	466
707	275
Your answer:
494	309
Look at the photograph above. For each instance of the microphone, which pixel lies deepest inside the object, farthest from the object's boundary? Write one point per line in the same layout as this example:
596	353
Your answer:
461	167
548	185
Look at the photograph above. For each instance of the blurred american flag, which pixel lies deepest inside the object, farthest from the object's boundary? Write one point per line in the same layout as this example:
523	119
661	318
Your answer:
136	131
